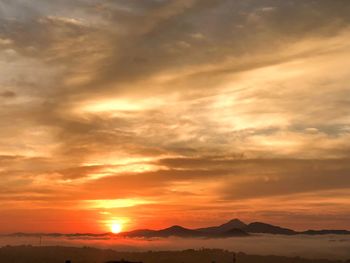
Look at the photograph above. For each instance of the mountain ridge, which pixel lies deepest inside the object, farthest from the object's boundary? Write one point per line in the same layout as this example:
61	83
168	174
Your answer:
232	228
232	224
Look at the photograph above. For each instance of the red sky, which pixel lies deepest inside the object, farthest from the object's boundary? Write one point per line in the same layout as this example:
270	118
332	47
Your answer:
153	113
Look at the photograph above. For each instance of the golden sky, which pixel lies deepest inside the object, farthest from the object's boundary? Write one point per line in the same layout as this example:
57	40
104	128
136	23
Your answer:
159	112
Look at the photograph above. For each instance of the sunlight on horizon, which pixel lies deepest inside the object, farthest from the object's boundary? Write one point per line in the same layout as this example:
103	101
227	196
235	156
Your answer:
116	228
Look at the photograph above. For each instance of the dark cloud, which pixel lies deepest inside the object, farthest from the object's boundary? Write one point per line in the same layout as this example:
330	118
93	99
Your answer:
286	177
8	94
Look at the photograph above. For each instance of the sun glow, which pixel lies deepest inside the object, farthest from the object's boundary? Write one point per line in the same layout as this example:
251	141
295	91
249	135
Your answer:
115	203
119	105
116	225
116	228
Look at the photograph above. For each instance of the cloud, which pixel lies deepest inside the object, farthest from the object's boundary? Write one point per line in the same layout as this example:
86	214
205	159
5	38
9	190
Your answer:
285	177
8	94
220	101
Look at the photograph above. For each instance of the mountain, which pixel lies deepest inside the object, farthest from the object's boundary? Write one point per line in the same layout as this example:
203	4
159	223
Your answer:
233	228
138	233
178	231
235	232
232	224
258	227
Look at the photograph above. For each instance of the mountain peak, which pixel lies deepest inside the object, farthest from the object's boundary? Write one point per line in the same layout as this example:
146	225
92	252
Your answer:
236	220
175	227
177	231
232	224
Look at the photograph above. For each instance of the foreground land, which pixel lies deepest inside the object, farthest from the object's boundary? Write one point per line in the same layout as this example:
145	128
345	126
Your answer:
55	254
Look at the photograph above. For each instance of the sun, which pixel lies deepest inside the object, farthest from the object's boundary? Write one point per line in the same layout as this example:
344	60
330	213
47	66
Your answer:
116	228
116	225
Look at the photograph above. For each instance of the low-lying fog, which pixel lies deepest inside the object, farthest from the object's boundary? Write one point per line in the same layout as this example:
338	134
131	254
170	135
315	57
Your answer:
327	246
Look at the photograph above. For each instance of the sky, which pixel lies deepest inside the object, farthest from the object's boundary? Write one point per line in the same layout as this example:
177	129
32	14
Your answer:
160	112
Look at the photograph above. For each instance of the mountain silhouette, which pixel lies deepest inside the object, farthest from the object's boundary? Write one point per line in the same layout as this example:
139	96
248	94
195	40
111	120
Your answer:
233	228
180	231
139	233
258	227
232	224
235	232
